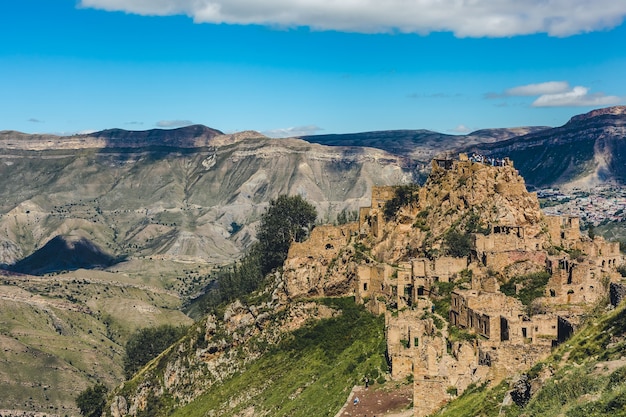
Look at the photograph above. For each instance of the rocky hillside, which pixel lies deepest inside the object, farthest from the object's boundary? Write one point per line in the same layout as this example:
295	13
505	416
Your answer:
190	193
587	151
585	377
445	227
160	208
61	333
464	199
272	357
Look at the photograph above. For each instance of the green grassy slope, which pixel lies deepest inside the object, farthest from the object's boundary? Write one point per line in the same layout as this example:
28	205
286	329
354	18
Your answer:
61	333
310	373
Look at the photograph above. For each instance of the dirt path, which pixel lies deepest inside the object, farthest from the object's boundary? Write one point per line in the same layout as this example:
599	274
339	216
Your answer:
378	401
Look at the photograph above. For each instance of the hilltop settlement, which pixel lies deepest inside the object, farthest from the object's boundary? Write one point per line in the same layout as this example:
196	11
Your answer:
475	283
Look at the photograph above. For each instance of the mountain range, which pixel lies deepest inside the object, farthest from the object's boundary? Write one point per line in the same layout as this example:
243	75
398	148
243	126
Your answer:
108	232
589	150
196	193
141	195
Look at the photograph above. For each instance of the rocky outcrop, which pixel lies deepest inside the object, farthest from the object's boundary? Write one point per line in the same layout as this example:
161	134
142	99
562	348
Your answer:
615	110
216	348
473	228
464	196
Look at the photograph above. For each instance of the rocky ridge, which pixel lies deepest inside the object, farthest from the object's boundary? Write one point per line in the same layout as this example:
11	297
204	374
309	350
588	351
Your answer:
215	349
587	151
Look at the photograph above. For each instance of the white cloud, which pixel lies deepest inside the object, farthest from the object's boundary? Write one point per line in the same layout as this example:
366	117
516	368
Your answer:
558	94
174	123
468	18
577	96
550	87
292	132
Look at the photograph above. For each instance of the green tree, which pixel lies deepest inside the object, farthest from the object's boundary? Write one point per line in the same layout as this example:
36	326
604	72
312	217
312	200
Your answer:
92	400
146	344
287	219
404	195
458	244
591	231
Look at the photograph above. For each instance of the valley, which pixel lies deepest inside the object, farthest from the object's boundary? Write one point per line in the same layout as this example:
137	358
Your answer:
107	233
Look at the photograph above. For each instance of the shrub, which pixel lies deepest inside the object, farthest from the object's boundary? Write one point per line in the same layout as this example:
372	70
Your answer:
91	401
146	344
404	195
532	286
458	244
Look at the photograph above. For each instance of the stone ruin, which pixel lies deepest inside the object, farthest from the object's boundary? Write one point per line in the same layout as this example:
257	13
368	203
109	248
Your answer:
500	335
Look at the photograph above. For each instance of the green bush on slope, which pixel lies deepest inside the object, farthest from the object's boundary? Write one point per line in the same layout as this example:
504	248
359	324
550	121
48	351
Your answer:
288	219
146	344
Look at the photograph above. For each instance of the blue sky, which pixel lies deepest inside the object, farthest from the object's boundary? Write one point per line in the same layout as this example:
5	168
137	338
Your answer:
309	66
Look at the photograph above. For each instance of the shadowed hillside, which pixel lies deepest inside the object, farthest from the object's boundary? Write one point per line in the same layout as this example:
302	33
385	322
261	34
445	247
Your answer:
63	254
420	145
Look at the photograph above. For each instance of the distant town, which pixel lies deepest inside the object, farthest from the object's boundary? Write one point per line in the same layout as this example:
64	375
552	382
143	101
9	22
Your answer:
595	207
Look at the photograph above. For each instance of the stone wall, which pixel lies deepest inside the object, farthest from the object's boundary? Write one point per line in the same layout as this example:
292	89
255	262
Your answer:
564	231
500	260
575	282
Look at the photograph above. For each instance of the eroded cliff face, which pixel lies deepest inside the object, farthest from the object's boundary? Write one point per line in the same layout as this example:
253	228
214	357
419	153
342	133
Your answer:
192	195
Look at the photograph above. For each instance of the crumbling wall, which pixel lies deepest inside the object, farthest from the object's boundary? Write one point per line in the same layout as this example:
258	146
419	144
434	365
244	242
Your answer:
500	260
574	282
564	231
